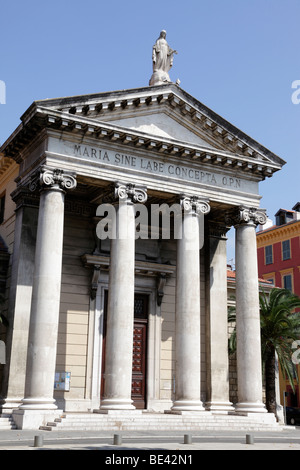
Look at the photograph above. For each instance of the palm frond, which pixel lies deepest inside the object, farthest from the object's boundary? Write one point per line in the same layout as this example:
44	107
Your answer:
280	326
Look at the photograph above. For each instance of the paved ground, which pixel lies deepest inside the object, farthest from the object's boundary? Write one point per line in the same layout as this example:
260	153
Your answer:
136	442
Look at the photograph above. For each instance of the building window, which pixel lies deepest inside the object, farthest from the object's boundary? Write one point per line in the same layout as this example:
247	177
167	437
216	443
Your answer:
2	204
286	249
287	282
284	217
269	254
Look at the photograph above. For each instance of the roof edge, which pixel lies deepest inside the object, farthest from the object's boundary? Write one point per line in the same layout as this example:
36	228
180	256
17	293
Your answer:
172	91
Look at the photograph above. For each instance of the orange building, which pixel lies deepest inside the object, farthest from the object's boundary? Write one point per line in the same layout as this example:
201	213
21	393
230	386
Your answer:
278	252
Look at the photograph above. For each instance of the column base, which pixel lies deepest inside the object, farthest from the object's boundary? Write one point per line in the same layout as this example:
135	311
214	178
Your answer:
38	404
219	407
10	404
34	419
116	404
244	408
187	405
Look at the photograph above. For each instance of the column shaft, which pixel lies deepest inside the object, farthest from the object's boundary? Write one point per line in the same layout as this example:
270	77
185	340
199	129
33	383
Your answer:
120	314
217	323
42	342
20	304
249	367
187	340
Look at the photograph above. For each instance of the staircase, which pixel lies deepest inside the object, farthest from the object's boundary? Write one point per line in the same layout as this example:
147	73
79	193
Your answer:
147	421
6	423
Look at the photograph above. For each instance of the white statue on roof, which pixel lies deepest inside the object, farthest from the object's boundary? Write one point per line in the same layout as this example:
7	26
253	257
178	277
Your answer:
162	59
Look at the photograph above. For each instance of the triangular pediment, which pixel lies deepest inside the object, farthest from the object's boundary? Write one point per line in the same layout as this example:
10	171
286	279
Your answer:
161	125
164	111
162	116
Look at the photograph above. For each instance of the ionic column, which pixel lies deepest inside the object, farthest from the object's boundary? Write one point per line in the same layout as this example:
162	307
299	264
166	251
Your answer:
42	342
217	320
249	367
187	339
20	297
120	313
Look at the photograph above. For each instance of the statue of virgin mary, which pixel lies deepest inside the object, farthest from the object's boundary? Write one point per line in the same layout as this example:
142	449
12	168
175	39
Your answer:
162	59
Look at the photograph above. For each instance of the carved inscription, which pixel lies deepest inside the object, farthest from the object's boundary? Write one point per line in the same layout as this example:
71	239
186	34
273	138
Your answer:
157	167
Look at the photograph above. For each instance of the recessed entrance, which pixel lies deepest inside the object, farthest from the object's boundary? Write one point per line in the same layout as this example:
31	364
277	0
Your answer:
139	353
139	356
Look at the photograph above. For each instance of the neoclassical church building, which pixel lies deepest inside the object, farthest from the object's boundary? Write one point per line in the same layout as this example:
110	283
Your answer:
116	207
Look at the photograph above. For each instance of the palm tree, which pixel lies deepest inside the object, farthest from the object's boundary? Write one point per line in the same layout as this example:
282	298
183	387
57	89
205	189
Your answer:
232	337
280	326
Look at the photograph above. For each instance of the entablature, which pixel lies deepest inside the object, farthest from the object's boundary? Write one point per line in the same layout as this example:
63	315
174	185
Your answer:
94	116
107	132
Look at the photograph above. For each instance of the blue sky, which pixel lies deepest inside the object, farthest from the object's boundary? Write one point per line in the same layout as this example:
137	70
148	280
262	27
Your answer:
238	57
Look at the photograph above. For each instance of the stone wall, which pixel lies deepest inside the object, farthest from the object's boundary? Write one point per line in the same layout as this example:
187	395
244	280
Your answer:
76	320
7	185
74	306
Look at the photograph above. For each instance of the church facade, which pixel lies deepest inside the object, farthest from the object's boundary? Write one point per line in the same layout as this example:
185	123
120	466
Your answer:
118	280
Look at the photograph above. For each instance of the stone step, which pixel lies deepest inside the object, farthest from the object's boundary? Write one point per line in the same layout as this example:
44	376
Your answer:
159	421
160	429
159	416
6	423
145	427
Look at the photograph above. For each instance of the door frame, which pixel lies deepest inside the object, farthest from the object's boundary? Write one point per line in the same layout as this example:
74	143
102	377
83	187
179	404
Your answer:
147	286
143	285
136	321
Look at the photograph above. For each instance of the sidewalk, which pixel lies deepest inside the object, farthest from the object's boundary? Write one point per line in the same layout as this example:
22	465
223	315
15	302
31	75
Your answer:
288	439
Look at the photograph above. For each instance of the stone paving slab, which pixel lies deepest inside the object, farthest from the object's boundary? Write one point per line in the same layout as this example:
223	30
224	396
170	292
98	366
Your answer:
145	443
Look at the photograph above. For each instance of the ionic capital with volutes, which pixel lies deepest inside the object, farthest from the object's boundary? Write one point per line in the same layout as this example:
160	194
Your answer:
195	205
130	193
246	215
53	178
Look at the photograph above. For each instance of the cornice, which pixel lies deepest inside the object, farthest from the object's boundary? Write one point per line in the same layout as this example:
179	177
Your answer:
157	96
5	164
41	118
278	233
83	115
141	267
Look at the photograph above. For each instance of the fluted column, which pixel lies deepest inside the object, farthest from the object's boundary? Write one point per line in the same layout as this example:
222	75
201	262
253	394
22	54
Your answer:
249	370
120	313
42	342
187	339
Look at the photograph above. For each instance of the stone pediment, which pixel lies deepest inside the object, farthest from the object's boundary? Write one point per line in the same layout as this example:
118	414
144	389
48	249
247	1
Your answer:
162	118
161	125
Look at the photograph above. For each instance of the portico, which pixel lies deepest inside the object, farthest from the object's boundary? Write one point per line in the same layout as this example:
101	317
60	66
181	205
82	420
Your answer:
159	148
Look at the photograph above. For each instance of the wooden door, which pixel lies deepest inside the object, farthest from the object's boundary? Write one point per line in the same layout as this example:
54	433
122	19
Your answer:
139	353
139	356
